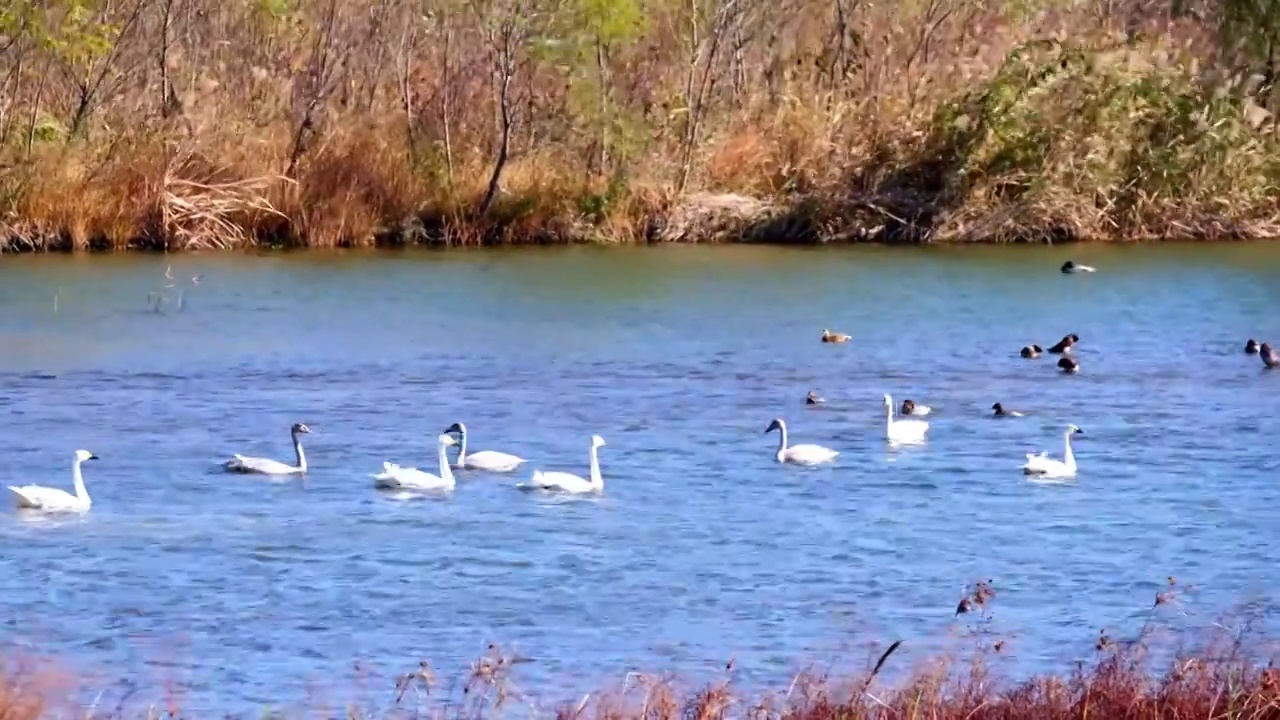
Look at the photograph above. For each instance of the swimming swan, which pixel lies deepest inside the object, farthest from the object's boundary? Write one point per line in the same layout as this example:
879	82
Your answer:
909	407
798	454
1044	466
47	499
265	466
902	431
568	483
395	477
490	460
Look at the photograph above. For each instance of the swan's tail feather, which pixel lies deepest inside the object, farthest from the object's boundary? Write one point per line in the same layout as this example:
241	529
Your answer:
24	500
236	463
536	482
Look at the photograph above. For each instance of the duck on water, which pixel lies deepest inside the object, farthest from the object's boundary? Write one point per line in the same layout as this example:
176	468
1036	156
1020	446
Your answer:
1065	345
998	410
909	407
1270	358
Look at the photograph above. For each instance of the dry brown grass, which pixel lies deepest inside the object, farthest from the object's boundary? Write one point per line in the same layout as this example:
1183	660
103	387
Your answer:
1216	679
351	124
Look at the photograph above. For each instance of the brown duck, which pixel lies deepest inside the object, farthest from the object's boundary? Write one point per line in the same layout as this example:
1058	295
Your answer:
1065	344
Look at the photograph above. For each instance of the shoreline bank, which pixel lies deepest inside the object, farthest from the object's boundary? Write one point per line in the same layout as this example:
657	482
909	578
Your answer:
313	127
1119	679
699	219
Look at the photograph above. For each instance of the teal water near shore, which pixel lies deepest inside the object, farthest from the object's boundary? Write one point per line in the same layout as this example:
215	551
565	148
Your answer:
244	593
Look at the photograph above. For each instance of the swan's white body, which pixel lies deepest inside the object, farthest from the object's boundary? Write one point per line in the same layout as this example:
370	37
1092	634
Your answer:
799	454
902	431
490	460
51	500
567	482
1040	464
267	466
395	477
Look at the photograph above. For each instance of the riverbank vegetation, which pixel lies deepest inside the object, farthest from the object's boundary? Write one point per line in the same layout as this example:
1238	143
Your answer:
186	124
1216	678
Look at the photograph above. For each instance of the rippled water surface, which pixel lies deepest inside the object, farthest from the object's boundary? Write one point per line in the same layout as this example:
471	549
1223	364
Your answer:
241	592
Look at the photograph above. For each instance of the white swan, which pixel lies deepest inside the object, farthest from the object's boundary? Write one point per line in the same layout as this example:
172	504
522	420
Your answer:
394	477
1044	466
798	454
568	483
490	460
902	431
265	466
47	499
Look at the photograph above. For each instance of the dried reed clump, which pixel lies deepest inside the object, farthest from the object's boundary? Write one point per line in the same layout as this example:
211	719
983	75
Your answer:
201	124
1218	679
1123	142
200	208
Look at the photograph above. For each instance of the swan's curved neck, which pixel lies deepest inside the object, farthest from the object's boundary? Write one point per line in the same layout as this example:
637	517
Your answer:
782	438
1068	457
78	479
888	413
297	451
462	443
597	480
446	473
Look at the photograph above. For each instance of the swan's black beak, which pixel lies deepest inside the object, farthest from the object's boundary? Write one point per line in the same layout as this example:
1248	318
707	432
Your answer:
454	428
93	457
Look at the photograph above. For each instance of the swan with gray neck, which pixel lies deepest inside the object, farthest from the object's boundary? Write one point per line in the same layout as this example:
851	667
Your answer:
798	454
265	466
490	460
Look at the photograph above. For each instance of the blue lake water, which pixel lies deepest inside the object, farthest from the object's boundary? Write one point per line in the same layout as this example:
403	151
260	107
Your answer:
236	592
